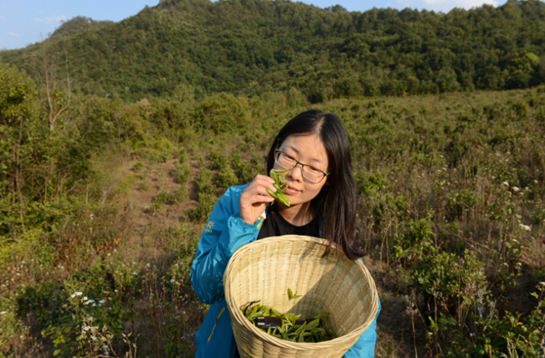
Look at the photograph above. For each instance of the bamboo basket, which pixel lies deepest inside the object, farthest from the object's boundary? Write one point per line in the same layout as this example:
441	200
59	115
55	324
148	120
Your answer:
265	269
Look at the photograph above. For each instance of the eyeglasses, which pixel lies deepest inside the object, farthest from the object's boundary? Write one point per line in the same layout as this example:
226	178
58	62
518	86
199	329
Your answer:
309	172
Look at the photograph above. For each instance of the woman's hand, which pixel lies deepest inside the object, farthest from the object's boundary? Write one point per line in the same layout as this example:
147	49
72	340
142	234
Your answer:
254	198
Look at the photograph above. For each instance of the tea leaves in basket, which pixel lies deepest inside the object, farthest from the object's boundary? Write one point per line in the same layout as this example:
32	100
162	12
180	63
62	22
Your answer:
288	325
291	296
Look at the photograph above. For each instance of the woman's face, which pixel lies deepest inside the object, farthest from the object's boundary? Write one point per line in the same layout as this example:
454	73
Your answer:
307	149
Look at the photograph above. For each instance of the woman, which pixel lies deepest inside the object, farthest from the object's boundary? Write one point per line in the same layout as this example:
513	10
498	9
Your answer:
322	194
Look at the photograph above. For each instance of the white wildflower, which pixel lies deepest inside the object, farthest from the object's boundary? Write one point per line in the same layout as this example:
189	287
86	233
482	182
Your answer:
516	189
75	294
135	273
525	227
85	298
172	280
101	302
505	183
542	283
3	312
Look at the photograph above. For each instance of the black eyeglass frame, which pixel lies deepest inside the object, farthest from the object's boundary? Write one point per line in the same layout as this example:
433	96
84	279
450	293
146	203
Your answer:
301	164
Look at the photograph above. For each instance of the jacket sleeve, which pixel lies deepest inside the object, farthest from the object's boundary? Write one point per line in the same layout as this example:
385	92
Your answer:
365	345
224	233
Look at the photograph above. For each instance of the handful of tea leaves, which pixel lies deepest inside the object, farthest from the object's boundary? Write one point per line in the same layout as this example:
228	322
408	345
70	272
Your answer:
288	326
280	185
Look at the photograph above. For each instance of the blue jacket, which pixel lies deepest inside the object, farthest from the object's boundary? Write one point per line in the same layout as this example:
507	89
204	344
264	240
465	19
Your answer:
224	233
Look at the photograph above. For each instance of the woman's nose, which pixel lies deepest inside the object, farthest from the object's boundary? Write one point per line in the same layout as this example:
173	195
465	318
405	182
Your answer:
296	173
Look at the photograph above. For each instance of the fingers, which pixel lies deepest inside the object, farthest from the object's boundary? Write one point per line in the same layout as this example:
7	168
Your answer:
255	198
263	181
254	195
262	198
256	192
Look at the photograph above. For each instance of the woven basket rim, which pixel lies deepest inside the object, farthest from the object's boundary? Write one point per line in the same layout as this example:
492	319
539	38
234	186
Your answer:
289	344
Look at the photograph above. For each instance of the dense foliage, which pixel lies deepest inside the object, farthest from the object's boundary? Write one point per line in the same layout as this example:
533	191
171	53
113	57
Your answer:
255	46
101	211
76	25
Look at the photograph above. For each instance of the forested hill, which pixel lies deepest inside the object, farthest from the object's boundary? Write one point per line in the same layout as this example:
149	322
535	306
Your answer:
254	46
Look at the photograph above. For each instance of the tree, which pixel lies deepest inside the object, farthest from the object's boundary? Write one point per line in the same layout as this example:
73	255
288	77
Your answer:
16	94
522	70
58	99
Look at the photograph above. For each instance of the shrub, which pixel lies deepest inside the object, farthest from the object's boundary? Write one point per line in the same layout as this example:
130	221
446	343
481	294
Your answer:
205	183
182	155
461	200
227	178
181	194
452	280
415	243
183	171
219	159
243	168
164	197
207	202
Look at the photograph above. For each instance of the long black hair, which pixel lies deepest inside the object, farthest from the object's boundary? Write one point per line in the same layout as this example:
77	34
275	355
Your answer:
337	202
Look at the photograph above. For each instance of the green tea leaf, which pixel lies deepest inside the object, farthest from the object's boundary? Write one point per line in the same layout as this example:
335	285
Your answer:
283	199
313	324
254	316
273	194
280	185
301	328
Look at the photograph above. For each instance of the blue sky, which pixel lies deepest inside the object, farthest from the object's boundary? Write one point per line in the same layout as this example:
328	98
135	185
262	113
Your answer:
23	22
